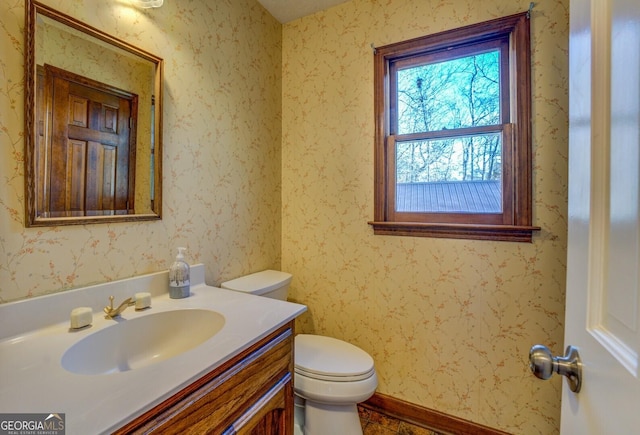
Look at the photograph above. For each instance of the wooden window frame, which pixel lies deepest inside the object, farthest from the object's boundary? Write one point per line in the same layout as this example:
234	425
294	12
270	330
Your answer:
515	221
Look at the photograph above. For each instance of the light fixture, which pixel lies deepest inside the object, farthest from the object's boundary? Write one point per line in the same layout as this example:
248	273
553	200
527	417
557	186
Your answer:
147	3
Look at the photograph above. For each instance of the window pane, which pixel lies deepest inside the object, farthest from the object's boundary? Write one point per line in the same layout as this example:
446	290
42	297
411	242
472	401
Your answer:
463	92
453	175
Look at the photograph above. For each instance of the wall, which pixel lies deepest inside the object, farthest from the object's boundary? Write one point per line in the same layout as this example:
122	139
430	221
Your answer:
449	323
222	137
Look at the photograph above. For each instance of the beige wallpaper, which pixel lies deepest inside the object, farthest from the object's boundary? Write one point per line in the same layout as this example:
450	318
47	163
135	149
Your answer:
449	323
222	137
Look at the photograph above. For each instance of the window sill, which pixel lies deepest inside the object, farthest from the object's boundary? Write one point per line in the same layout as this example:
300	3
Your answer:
506	233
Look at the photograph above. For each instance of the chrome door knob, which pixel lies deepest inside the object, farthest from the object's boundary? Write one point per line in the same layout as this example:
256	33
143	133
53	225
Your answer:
543	364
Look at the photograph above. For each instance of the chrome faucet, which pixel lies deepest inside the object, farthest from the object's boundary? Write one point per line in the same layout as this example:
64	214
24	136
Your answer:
115	312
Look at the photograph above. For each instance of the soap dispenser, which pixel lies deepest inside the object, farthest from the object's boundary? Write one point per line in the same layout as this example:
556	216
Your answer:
179	277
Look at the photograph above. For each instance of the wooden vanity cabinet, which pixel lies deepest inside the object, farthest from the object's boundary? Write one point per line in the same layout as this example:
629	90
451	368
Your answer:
250	394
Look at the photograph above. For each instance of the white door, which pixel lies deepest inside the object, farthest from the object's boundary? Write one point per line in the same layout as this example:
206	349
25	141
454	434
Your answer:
603	279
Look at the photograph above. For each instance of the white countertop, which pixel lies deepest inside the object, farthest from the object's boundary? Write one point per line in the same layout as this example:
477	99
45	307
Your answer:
34	334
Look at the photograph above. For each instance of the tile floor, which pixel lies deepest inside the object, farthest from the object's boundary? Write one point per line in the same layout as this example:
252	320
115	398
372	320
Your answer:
375	423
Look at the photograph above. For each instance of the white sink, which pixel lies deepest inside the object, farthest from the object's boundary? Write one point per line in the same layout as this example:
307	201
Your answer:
142	341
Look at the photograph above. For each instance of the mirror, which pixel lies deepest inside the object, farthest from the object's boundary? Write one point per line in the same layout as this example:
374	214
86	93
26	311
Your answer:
93	124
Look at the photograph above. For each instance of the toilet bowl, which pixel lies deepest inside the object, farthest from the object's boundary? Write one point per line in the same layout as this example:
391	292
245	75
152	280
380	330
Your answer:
330	377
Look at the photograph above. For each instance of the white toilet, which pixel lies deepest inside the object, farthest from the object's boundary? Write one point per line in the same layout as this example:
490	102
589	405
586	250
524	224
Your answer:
331	376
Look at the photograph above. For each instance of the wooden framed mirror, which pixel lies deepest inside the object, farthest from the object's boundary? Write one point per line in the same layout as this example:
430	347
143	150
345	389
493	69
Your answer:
93	124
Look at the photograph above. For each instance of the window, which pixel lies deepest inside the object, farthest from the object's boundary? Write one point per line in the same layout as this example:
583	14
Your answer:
453	134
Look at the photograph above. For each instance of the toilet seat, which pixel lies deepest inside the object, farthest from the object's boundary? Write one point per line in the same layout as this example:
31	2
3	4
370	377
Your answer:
330	359
334	393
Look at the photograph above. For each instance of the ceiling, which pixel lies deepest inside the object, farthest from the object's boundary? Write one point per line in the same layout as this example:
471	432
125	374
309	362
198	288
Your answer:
289	10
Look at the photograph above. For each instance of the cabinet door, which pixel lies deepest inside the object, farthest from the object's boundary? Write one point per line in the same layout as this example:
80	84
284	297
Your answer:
270	415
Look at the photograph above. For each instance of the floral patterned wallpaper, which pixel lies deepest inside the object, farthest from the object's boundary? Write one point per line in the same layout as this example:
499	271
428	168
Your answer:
222	140
449	323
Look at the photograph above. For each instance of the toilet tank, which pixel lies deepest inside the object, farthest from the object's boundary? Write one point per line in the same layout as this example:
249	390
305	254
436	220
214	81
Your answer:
270	283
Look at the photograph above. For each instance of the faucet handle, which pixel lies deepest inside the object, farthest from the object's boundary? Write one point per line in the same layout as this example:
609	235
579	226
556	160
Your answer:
142	300
108	309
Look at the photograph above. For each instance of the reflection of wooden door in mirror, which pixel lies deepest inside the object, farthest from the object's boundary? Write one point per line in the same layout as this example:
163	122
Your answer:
90	154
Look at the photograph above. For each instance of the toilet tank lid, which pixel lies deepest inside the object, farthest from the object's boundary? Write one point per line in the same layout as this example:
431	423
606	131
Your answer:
259	283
